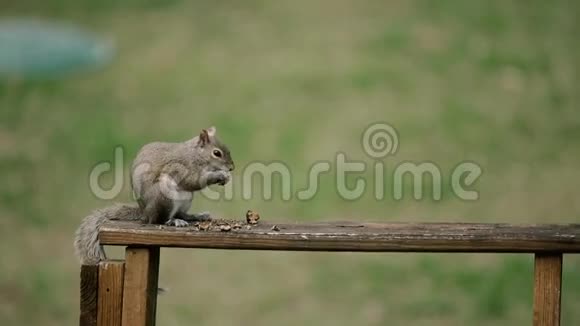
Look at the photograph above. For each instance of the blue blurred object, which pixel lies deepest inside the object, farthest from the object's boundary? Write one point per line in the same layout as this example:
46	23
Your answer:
33	49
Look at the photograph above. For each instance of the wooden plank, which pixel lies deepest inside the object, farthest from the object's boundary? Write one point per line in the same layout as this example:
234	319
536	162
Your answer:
547	289
89	291
140	286
110	301
340	236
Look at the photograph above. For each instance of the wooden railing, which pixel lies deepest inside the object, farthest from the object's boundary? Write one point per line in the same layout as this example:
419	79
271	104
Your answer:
125	292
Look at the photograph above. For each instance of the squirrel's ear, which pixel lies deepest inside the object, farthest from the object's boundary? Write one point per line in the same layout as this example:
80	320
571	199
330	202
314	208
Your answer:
211	131
203	138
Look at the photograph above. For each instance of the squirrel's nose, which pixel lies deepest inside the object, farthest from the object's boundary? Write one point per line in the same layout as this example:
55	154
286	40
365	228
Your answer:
232	166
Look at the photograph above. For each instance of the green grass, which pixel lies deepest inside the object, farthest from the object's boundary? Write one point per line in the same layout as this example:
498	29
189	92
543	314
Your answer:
492	82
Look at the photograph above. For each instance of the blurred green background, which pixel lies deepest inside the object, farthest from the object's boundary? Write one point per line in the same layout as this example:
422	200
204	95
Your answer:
495	82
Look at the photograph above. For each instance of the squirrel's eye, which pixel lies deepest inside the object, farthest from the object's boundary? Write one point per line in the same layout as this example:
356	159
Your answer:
217	153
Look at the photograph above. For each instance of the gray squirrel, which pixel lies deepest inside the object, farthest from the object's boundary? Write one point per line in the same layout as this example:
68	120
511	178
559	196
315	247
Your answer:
164	177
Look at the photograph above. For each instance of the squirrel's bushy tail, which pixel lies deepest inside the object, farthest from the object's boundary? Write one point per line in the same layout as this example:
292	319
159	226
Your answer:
87	246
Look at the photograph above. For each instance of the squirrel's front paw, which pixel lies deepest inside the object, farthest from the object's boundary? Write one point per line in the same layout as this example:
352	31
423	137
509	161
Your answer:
219	177
177	222
223	177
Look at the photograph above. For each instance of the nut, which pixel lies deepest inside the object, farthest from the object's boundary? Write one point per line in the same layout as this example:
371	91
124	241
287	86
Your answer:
225	227
252	217
204	226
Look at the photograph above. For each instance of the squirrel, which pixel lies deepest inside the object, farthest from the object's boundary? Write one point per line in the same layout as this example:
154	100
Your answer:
164	177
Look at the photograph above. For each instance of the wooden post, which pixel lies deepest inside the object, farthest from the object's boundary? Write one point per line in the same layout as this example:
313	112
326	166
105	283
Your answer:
547	289
140	286
110	292
89	288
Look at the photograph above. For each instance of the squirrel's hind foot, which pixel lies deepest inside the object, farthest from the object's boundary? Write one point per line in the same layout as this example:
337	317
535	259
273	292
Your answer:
195	217
177	222
203	216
